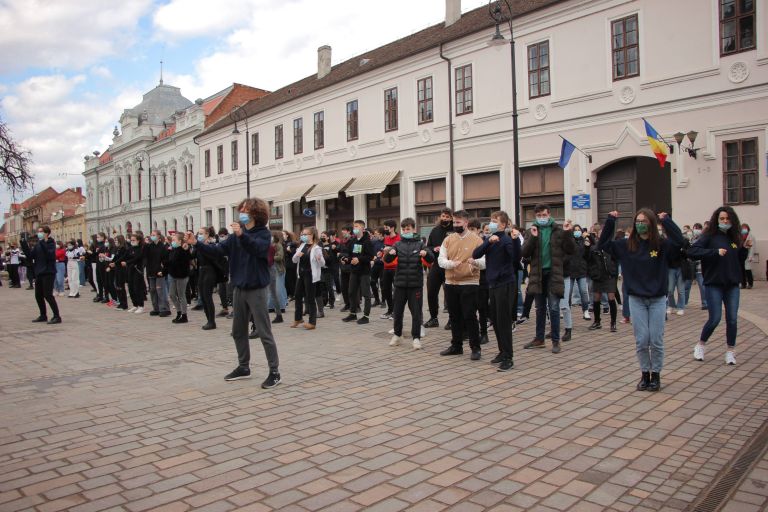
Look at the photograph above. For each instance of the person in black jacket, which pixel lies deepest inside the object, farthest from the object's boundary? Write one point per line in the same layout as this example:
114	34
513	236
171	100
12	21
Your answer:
360	256
101	278
119	268
134	267
722	253
576	277
179	259
408	280
603	271
225	285
436	276
328	297
42	257
345	267
156	254
210	269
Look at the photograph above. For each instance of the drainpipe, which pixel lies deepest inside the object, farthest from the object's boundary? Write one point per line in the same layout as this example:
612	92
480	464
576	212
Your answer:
450	128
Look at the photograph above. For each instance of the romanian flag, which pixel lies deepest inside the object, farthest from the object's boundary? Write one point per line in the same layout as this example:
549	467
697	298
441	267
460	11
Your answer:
658	146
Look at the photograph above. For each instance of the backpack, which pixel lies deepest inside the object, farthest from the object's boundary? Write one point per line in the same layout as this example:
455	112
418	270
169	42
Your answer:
601	267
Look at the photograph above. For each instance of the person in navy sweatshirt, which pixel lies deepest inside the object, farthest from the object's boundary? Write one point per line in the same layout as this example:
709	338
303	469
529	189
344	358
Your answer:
644	259
248	252
722	253
501	256
42	256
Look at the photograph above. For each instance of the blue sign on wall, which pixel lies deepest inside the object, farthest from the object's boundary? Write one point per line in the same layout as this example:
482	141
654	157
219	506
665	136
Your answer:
580	202
309	212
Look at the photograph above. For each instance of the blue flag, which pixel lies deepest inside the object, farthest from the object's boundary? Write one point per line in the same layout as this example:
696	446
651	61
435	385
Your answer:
565	153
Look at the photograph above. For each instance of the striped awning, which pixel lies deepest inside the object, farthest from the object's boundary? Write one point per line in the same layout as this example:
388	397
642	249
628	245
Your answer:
328	189
292	193
371	183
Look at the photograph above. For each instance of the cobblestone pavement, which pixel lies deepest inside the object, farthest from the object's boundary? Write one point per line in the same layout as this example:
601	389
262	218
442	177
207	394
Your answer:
113	411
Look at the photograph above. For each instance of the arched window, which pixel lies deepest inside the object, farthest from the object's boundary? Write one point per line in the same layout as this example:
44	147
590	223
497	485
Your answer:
186	184
173	180
138	179
191	223
120	188
186	223
130	189
191	182
175	225
154	186
165	227
165	186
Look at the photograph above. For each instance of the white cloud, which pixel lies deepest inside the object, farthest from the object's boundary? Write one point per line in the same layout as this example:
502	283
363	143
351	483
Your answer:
65	34
101	72
193	18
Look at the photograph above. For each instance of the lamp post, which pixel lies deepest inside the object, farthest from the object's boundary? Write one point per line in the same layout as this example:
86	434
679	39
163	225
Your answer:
495	10
679	136
238	113
140	157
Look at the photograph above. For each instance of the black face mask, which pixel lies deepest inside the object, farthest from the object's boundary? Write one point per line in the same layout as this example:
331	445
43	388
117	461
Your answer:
458	229
446	223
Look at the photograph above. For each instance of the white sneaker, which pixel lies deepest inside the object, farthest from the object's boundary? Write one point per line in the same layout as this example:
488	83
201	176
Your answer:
385	316
423	332
395	341
669	311
416	344
680	312
730	358
587	316
139	311
391	331
131	310
698	352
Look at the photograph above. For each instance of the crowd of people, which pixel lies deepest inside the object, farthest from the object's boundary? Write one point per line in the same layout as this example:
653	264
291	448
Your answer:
480	267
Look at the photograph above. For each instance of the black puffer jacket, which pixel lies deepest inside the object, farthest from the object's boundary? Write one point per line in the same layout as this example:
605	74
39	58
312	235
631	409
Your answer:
576	264
410	271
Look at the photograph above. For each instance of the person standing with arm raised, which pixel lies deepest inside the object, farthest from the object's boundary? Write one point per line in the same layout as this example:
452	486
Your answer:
42	257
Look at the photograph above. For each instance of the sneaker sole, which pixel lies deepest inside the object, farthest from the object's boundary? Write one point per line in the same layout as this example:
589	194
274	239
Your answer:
238	378
272	386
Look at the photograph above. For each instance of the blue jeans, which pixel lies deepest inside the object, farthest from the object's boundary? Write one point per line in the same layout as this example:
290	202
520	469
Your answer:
624	300
158	292
729	297
702	289
579	283
81	268
547	300
61	272
565	308
648	323
676	281
519	292
282	293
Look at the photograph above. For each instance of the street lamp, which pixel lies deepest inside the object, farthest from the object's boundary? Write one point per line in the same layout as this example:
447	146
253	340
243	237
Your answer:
238	113
495	11
140	157
679	136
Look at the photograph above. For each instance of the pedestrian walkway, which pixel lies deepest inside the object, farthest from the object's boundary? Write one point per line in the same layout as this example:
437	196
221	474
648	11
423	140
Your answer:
114	411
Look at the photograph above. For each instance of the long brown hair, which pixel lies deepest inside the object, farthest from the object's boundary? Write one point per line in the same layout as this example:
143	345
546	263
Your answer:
734	233
654	241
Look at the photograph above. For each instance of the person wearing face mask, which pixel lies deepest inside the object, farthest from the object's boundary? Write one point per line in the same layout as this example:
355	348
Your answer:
546	246
100	269
61	268
345	267
42	257
119	268
134	268
327	297
603	271
388	272
277	296
248	251
462	281
696	233
436	276
483	296
208	275
225	286
722	253
179	259
747	280
377	267
289	246
309	262
644	259
360	256
107	256
156	254
576	276
73	255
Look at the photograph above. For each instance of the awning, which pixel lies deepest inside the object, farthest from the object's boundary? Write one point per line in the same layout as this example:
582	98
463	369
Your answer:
371	183
328	189
292	193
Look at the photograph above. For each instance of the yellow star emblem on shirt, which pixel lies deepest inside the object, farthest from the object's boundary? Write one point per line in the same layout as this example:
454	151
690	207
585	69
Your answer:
733	245
654	254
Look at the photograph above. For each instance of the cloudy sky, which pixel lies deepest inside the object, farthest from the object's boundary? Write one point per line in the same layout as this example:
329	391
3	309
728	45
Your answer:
67	69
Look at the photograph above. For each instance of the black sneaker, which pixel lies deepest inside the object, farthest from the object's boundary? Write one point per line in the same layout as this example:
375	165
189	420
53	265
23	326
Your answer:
363	320
344	309
197	307
55	320
238	373
447	326
505	365
613	327
209	326
484	339
222	313
452	351
595	326
253	334
349	318
522	320
41	319
278	320
164	313
154	313
496	360
230	315
273	379
555	347
475	355
432	322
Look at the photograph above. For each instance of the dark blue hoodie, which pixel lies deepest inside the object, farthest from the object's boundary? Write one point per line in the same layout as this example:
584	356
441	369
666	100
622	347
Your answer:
43	255
500	259
248	256
719	270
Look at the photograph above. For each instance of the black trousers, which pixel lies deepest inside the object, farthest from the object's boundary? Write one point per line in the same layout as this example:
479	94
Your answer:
336	277
462	308
120	276
435	280
376	272
502	315
89	275
325	294
207	283
747	279
414	297
101	280
483	299
44	293
360	285
305	295
345	288
528	304
13	274
136	287
225	294
387	280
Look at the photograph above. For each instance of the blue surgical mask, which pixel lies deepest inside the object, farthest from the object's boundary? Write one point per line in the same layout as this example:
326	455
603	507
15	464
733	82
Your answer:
153	238
724	227
40	236
493	226
408	235
106	244
304	238
70	247
577	234
696	232
175	245
201	238
744	231
356	231
542	221
244	218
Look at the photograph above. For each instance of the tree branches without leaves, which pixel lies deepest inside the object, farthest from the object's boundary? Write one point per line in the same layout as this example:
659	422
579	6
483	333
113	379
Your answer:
14	162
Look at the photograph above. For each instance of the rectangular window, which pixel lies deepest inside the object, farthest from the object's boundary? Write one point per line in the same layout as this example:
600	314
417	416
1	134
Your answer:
278	142
740	171
255	148
208	218
626	49
538	69
464	90
219	160
319	130
222	218
207	164
425	106
737	26
298	136
390	109
352	120
234	155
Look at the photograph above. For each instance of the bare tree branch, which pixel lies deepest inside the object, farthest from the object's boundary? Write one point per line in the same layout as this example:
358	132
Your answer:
14	163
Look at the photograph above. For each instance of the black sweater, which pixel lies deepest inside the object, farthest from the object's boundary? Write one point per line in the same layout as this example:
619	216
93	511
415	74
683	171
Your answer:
719	270
156	258
500	259
178	262
362	249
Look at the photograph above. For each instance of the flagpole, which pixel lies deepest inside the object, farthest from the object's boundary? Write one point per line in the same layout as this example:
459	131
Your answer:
589	157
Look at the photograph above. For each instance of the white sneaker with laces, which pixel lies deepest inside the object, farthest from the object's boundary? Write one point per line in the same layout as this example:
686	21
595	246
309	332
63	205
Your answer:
680	312
133	309
139	311
391	331
416	344
698	352
395	341
730	358
587	316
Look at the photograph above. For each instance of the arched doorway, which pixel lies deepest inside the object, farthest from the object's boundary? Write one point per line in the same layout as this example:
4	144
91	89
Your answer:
128	227
633	183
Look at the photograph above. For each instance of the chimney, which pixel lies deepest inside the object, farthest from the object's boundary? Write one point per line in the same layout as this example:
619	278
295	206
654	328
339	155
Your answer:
452	12
323	61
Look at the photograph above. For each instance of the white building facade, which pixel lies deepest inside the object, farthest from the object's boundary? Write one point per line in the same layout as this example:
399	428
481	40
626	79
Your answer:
426	121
